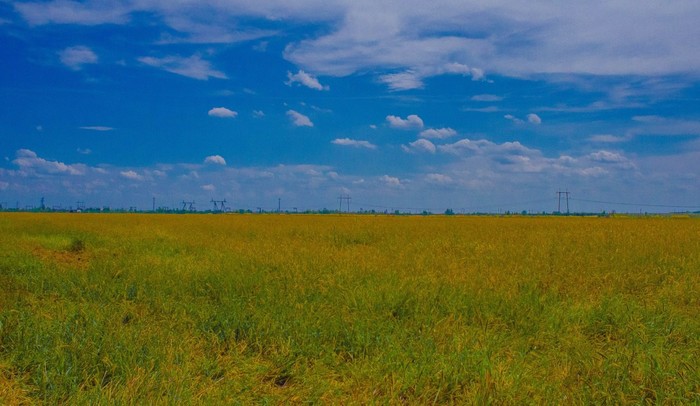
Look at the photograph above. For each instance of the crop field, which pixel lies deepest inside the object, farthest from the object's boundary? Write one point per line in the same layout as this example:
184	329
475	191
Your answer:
240	309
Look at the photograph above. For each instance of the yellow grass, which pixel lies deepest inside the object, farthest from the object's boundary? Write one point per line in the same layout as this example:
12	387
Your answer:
203	309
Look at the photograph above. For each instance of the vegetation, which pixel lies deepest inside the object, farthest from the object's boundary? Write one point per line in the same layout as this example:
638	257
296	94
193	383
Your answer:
197	309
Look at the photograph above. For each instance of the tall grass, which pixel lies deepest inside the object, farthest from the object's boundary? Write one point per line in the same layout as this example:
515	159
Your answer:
348	309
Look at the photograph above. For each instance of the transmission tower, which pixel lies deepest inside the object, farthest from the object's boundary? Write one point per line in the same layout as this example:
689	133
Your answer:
566	194
342	198
187	206
219	205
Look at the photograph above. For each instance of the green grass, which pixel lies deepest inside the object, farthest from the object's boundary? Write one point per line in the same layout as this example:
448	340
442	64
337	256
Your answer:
348	309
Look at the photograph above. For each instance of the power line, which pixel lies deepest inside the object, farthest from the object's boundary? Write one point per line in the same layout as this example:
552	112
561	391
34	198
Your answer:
668	206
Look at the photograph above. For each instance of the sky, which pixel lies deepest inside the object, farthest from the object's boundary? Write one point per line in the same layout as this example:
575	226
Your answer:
468	105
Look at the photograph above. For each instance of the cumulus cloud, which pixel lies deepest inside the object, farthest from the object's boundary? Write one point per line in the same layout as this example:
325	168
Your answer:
438	133
486	147
411	122
192	67
390	181
298	119
29	161
222	112
258	114
304	79
77	56
130	174
421	145
353	143
215	160
534	118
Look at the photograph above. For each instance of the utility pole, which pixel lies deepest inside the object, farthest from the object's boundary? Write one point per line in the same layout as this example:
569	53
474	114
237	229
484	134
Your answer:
279	205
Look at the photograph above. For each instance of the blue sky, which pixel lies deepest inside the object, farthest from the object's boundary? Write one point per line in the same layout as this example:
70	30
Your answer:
469	105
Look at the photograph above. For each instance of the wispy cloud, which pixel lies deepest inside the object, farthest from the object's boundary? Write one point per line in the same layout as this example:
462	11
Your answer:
74	12
607	138
192	67
486	98
99	128
78	56
298	119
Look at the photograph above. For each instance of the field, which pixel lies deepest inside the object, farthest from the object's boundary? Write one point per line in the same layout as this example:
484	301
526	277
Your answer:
221	309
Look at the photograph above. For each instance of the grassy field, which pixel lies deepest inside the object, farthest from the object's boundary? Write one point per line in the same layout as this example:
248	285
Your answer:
212	309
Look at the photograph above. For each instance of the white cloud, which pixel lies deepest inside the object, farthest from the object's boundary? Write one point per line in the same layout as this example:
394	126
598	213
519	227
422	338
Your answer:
209	187
421	145
413	78
411	122
130	174
299	119
607	138
305	79
222	112
215	160
531	118
97	128
534	118
74	12
29	161
258	114
524	38
512	118
486	98
439	178
192	67
77	56
486	147
402	81
607	157
353	143
438	133
390	181
84	151
630	38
